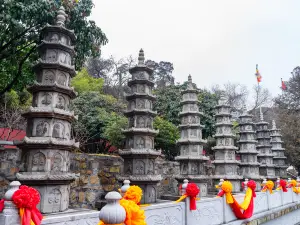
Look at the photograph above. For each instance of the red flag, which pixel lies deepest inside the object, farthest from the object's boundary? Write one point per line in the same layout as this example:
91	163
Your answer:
283	86
257	74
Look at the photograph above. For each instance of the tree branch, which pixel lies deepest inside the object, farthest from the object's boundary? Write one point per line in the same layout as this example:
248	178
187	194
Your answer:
19	73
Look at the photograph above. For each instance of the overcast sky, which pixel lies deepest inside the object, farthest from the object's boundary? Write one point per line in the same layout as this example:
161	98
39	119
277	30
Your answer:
215	41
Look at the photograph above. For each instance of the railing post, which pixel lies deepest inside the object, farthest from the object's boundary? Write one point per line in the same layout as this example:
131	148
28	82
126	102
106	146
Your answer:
124	188
112	212
10	214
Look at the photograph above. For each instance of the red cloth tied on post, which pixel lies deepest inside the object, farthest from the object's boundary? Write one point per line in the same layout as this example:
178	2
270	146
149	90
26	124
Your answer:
192	190
1	205
244	210
26	199
282	185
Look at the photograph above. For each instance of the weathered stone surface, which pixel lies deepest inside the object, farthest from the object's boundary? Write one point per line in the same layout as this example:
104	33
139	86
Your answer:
249	167
264	147
226	165
139	154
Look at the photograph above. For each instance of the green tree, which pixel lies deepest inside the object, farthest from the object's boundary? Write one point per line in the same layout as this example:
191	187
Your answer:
167	103
167	137
83	82
207	103
12	105
21	22
97	115
114	124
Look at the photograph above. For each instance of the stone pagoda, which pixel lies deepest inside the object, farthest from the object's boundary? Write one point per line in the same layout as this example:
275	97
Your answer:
264	148
192	161
279	159
139	154
249	167
48	142
226	165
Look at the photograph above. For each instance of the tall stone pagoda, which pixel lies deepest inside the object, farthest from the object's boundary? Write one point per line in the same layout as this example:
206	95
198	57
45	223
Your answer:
249	166
226	165
48	142
279	159
192	161
139	154
264	148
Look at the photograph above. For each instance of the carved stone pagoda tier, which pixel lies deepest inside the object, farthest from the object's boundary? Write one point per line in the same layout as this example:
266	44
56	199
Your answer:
279	159
226	165
139	154
48	142
249	166
264	148
191	158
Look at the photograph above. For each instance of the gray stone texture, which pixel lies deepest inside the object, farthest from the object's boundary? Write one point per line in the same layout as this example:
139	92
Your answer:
264	147
279	158
249	167
191	158
139	154
226	165
48	142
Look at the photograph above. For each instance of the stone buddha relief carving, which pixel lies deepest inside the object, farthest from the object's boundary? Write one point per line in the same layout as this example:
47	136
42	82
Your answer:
141	122
57	164
130	142
194	119
140	88
42	129
62	79
184	168
140	75
54	200
48	77
60	102
54	38
149	123
58	130
128	167
193	133
140	142
230	155
194	168
38	162
51	55
140	167
152	194
64	40
184	150
185	120
150	167
131	122
46	99
140	103
65	58
147	104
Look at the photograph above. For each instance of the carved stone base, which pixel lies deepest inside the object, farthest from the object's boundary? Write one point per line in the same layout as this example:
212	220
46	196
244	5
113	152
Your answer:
54	198
73	217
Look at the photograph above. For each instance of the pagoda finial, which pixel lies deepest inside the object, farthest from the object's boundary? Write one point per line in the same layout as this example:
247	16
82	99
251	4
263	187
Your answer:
244	109
261	114
61	16
222	99
141	57
273	125
190	78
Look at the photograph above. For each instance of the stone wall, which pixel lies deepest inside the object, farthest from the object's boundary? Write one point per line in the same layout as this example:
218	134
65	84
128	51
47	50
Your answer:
168	171
95	176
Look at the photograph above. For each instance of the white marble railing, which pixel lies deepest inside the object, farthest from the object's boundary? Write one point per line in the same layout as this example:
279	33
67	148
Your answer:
214	211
